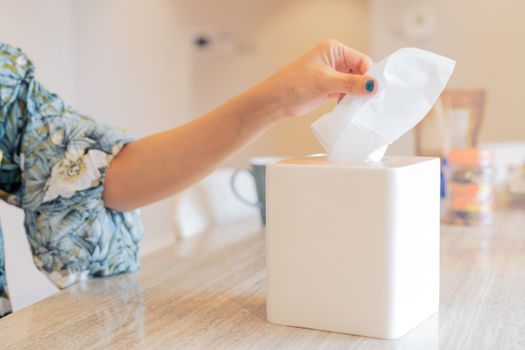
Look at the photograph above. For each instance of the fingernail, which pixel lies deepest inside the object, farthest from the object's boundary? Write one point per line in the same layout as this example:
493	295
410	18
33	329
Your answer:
369	86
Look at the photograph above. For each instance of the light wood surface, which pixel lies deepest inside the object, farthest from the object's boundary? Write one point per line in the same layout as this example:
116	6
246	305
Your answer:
209	293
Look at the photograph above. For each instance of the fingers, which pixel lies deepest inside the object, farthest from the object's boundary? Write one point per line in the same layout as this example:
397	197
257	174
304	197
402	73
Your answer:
354	60
348	65
345	83
347	59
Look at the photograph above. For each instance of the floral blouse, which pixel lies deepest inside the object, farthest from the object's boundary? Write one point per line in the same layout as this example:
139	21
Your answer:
52	165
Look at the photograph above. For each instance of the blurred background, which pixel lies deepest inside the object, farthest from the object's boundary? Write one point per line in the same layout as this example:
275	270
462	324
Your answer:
151	65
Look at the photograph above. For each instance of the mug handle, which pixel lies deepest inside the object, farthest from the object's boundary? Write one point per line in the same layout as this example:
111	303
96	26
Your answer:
234	188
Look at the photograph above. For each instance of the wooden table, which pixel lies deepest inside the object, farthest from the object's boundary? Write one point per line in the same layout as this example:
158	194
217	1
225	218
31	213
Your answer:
209	293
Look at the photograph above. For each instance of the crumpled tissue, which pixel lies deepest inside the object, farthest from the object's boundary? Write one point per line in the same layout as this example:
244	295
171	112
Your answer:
360	128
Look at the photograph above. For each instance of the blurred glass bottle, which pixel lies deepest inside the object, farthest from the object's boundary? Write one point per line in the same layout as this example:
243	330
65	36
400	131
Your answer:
471	187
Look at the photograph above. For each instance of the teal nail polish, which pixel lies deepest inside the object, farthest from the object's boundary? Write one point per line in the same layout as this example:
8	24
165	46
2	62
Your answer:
370	85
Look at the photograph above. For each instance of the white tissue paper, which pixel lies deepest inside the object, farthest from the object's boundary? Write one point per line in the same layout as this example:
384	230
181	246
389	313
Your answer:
360	128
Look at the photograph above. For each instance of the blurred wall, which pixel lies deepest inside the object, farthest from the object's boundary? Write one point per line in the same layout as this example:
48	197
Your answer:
253	39
486	39
43	30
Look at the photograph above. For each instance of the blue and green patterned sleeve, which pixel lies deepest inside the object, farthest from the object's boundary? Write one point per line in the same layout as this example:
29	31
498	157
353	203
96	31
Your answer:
53	167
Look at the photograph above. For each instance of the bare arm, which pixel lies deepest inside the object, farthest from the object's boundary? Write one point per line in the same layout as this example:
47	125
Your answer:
160	165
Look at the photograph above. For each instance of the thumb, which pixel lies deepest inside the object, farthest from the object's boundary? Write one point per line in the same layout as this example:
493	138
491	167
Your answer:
351	84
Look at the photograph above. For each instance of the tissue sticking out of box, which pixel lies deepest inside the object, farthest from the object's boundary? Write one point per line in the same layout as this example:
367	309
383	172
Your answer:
360	128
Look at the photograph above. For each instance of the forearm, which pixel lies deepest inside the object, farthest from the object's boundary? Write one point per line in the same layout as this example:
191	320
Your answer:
160	165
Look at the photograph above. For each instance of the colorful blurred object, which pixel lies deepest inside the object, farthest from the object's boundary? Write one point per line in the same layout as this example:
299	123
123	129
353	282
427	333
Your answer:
471	186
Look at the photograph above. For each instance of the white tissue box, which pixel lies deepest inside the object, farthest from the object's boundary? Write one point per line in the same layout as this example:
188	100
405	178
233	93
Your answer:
353	247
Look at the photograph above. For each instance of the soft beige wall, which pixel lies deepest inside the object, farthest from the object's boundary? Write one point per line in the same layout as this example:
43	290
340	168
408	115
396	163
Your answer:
485	37
43	31
270	34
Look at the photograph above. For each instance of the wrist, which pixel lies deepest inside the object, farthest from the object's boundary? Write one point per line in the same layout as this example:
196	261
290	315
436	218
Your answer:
264	102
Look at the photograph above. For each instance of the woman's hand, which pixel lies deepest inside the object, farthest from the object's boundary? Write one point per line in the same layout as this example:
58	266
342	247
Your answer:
160	165
328	71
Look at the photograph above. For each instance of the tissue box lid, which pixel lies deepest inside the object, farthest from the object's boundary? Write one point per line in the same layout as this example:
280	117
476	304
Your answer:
388	162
